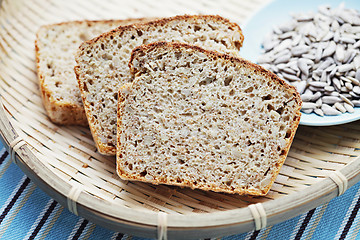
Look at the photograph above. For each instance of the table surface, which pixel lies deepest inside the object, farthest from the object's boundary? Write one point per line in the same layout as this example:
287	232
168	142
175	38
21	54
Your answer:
28	213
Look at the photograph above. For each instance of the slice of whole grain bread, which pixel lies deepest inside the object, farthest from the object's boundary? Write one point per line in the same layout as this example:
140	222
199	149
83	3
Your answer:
55	48
205	120
102	63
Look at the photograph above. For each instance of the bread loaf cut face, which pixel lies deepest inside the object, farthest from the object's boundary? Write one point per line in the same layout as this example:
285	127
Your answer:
103	63
55	48
203	120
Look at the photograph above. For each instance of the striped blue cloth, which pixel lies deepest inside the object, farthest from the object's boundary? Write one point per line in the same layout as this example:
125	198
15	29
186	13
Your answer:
28	213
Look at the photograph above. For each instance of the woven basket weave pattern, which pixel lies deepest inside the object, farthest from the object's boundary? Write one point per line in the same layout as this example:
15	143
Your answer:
69	151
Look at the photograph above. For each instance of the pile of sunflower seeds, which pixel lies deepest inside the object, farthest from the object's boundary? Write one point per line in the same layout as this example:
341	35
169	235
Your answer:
319	54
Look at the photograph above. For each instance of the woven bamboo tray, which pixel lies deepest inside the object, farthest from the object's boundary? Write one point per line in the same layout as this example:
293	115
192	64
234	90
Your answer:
64	163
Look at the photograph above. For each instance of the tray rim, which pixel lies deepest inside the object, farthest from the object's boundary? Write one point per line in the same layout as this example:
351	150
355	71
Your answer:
214	224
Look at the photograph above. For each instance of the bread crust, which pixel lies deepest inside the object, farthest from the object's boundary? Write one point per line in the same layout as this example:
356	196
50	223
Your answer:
160	22
65	112
214	55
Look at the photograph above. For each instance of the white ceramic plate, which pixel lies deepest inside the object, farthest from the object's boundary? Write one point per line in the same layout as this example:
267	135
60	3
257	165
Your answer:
275	13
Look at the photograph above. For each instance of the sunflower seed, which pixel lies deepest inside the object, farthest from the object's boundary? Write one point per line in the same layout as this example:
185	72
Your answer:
316	96
349	57
318	54
336	36
283	45
345	80
337	84
308	61
344	89
335	25
276	30
293	65
323	77
333	72
330	68
345	67
327	37
316	89
347	95
318	84
345	27
308	111
357	76
324	64
354	95
309	105
285	52
329	110
353	29
356	62
282	59
329	88
264	59
329	50
306	97
356	103
340	53
328	80
318	102
345	99
340	107
351	73
298	50
354	81
308	91
274	68
356	22
309	56
268	44
304	18
348	35
330	99
347	40
300	86
319	112
290	77
286	27
305	78
344	16
349	108
289	71
349	86
356	90
286	35
357	44
316	76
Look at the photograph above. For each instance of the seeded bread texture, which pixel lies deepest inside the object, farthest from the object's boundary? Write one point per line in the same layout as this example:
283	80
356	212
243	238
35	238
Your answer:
103	63
55	48
203	120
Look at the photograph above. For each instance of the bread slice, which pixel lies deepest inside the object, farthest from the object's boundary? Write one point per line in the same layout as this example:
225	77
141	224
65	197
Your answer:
103	63
55	48
203	120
